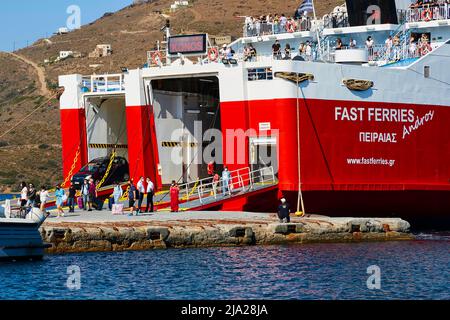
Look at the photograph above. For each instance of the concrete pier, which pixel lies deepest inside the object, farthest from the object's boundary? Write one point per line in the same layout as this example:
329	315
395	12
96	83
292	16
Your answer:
101	231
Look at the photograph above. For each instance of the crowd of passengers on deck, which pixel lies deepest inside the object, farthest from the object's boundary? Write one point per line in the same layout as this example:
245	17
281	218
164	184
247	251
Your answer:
275	24
304	53
427	10
392	49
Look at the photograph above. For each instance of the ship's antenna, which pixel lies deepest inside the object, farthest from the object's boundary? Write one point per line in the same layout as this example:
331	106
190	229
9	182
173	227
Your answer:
167	29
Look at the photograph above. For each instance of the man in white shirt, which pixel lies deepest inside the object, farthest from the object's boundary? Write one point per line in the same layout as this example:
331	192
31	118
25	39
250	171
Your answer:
283	21
388	44
308	51
142	191
150	194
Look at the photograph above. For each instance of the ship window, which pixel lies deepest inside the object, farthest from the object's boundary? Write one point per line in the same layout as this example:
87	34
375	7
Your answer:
260	74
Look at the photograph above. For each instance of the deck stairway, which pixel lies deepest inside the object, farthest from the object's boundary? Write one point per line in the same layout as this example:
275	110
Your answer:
205	193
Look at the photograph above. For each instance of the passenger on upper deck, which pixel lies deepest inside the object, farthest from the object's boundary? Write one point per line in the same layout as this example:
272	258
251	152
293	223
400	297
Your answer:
287	52
424	46
308	51
369	45
276	50
412	50
249	53
339	45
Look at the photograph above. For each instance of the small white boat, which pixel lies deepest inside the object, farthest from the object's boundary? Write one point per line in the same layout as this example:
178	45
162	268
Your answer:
20	238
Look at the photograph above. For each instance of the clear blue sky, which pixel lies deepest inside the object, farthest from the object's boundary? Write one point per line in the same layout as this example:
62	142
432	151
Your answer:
29	20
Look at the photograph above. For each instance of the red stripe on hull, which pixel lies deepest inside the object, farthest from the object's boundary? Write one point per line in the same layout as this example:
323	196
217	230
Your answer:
73	138
330	140
142	145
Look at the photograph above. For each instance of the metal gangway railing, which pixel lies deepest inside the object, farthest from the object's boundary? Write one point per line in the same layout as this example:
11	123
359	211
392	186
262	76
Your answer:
103	83
209	190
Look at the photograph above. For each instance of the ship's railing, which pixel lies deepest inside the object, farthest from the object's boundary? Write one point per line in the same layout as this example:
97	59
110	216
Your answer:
243	180
428	13
382	53
257	29
103	83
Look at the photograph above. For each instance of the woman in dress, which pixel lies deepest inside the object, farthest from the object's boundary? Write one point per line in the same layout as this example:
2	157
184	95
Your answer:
117	193
59	194
174	196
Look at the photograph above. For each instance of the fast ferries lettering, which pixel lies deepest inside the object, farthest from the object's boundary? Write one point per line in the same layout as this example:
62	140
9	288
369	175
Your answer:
407	117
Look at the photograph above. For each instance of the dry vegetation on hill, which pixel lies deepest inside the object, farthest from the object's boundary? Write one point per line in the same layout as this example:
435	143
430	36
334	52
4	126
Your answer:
32	151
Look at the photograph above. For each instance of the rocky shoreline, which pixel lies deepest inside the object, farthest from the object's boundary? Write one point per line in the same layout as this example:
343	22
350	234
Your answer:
107	236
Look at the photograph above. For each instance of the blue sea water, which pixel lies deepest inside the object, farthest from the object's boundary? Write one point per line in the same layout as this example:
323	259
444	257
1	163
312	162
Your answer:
417	269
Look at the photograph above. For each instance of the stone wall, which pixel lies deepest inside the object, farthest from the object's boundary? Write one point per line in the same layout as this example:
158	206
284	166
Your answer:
101	237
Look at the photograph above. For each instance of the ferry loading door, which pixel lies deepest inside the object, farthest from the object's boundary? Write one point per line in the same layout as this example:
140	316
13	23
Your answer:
106	126
263	155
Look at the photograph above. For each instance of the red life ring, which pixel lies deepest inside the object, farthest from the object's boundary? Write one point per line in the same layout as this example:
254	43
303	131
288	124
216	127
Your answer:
213	54
427	15
156	55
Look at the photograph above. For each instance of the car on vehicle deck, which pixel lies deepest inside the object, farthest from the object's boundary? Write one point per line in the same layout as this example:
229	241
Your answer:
97	168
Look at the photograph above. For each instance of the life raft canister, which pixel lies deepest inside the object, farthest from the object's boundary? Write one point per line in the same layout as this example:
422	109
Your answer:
427	15
213	54
156	57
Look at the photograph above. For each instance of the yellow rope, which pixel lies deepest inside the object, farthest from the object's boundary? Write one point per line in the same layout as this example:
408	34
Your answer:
72	169
111	161
192	191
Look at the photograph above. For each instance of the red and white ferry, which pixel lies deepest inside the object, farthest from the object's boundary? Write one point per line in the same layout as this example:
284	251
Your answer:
356	131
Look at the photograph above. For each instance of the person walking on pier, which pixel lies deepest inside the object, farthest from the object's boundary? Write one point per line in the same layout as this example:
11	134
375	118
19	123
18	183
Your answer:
284	212
60	195
43	196
142	191
131	196
71	198
226	177
117	193
174	197
150	194
31	196
85	195
92	193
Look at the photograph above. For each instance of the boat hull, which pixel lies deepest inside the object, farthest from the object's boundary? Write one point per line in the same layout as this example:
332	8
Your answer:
20	240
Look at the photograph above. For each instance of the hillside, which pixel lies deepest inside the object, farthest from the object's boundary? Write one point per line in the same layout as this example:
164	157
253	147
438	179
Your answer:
32	151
